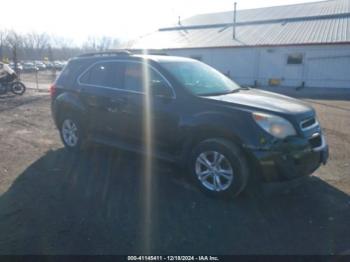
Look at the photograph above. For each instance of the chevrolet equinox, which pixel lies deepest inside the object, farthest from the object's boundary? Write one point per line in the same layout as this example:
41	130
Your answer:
224	134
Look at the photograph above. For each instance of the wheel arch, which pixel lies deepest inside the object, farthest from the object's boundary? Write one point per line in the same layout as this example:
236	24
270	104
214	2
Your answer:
69	104
233	151
202	133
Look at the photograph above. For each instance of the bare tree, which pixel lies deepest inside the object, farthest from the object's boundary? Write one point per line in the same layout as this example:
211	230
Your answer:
105	43
115	43
90	44
15	42
28	46
3	36
41	40
36	43
60	42
100	43
63	48
36	46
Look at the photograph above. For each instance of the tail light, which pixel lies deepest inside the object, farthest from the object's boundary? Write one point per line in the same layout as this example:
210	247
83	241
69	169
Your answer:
52	90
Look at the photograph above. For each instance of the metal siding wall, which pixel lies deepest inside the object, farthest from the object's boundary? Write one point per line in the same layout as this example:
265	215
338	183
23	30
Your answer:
237	63
328	68
270	65
329	72
323	66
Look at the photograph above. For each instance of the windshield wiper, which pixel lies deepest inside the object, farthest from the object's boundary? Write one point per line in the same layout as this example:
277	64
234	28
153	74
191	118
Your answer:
226	93
214	94
238	89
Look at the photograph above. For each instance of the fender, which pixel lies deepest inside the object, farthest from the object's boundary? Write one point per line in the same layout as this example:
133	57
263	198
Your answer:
219	124
69	102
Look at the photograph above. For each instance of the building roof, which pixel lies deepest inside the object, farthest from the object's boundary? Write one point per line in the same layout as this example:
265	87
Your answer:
324	22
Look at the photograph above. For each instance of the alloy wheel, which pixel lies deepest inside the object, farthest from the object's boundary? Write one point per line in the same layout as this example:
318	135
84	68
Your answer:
214	171
70	133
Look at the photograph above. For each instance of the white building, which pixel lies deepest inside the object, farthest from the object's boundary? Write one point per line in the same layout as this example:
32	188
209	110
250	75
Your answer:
296	45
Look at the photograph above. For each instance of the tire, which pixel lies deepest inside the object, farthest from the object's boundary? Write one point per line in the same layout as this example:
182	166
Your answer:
3	89
71	133
219	168
18	88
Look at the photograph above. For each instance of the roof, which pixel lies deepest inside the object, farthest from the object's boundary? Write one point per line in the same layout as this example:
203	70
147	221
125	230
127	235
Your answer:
164	58
125	55
321	22
306	10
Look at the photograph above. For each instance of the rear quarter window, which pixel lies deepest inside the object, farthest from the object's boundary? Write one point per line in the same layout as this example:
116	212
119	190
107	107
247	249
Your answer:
71	72
105	74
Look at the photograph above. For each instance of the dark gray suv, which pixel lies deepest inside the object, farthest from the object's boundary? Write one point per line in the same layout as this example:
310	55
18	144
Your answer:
226	135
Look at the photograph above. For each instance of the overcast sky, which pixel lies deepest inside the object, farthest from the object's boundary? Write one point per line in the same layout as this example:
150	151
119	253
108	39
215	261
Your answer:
124	19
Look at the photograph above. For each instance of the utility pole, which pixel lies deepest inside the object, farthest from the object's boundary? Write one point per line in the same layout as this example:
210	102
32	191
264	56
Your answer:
234	21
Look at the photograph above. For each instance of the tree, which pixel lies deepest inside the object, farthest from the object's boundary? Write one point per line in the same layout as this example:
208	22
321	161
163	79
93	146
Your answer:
3	36
35	44
63	48
15	42
60	42
28	46
100	44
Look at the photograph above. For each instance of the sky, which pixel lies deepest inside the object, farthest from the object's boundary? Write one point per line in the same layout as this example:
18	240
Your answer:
126	19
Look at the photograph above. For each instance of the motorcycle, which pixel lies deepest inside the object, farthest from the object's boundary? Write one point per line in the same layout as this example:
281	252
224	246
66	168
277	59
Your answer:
15	86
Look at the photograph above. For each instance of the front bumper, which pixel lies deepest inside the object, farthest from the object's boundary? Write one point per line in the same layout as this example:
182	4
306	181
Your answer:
289	160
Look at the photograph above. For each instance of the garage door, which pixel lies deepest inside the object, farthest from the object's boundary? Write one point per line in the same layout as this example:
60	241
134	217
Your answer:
328	72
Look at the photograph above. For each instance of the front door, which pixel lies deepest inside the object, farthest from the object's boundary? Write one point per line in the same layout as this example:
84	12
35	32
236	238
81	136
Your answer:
151	107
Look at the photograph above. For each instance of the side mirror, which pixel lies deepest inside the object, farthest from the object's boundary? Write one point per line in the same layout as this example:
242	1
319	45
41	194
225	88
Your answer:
160	89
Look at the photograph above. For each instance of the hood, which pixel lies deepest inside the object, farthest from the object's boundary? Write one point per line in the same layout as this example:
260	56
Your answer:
266	101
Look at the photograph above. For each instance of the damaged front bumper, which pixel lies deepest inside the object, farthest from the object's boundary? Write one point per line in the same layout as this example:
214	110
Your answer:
290	159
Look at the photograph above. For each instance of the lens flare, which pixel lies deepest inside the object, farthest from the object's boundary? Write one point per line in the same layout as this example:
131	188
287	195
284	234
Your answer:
148	144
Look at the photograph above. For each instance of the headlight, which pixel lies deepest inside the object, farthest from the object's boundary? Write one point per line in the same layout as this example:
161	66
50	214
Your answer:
274	125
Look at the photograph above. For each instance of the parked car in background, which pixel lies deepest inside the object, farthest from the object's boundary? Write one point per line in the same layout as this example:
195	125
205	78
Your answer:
40	65
19	66
49	65
224	134
30	67
58	65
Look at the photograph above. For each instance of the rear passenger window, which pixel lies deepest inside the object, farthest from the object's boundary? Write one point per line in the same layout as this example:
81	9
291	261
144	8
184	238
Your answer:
107	74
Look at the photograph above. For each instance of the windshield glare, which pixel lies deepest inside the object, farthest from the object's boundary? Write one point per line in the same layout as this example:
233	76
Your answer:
200	79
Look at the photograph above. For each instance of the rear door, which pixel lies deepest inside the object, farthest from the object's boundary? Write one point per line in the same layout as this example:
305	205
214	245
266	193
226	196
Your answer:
101	91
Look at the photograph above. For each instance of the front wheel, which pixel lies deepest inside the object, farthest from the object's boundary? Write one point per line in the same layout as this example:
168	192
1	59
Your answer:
18	88
219	167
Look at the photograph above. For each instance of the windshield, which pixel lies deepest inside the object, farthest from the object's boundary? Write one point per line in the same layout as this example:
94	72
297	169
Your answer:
200	79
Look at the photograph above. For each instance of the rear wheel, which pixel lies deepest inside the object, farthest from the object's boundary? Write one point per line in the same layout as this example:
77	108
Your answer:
18	88
71	133
219	168
3	89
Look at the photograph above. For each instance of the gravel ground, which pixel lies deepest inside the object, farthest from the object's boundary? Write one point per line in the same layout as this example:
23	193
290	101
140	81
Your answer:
52	202
335	120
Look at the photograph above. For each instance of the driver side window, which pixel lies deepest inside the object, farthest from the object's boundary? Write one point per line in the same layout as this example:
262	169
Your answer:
134	80
158	86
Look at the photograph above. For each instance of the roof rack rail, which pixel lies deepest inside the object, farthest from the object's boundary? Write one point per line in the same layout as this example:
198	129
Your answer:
107	53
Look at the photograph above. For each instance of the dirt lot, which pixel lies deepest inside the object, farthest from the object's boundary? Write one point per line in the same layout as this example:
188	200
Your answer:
52	202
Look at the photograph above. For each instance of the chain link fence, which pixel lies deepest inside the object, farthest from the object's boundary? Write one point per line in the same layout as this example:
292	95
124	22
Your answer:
39	80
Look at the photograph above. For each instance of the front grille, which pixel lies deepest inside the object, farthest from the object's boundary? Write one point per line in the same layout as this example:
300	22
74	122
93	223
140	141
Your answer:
316	141
308	123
